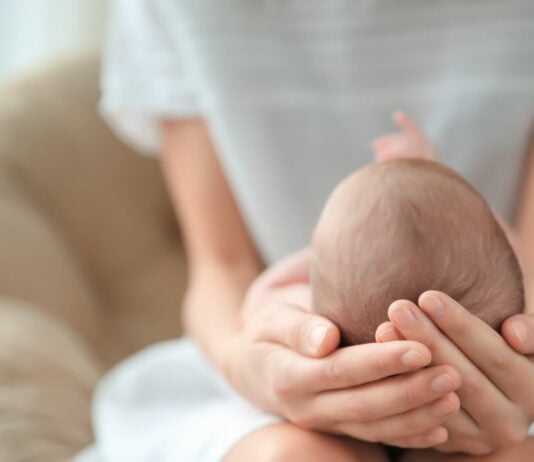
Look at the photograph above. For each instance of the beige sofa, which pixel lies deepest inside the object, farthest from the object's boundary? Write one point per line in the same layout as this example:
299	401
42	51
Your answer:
91	267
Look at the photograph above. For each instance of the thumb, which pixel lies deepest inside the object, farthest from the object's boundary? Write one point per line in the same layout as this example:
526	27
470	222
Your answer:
308	334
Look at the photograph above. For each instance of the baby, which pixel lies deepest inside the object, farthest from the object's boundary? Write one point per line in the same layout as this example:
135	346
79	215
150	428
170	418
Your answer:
395	229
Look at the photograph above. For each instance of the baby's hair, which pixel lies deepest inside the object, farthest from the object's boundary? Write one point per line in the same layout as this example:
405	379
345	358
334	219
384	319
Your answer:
396	229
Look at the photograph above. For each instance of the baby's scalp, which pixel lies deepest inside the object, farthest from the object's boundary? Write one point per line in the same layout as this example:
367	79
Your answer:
396	229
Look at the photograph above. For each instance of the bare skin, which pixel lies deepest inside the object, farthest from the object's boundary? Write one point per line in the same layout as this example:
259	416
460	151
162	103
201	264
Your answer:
287	443
519	453
437	311
256	356
329	391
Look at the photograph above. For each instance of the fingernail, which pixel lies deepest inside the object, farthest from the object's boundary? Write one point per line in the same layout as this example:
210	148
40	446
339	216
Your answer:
434	306
443	383
403	317
413	358
520	332
316	336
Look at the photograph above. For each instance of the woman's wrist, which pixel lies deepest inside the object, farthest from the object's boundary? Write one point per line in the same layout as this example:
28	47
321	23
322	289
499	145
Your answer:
217	344
213	326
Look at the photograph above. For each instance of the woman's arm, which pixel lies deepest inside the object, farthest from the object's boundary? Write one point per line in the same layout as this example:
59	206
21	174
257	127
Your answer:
222	259
275	358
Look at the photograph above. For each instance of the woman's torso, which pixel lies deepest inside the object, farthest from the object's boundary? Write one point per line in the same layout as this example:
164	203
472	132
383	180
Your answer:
294	91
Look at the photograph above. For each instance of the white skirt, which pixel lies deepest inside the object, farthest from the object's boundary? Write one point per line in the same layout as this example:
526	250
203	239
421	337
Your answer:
168	404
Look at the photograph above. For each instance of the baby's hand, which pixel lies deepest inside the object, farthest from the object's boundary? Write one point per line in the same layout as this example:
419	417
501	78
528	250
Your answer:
409	143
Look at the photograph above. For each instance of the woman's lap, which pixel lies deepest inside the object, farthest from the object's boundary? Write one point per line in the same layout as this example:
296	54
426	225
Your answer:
521	453
167	403
286	443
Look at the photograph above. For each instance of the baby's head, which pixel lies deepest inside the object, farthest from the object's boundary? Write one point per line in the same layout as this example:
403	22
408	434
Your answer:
396	229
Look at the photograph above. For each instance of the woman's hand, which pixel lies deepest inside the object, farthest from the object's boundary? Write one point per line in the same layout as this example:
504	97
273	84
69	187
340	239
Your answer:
284	361
497	392
356	391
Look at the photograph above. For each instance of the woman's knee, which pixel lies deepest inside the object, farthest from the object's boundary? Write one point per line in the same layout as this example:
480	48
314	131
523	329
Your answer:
519	453
287	443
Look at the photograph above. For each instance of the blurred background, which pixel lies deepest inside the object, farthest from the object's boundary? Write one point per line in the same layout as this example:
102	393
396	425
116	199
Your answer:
91	266
91	263
34	32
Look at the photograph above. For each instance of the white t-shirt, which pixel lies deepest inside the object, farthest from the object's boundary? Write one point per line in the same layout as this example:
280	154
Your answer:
294	91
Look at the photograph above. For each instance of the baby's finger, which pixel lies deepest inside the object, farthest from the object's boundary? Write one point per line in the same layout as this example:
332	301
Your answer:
407	124
391	146
387	141
412	131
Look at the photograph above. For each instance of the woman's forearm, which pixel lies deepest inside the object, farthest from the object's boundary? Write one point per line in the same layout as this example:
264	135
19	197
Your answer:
222	258
212	306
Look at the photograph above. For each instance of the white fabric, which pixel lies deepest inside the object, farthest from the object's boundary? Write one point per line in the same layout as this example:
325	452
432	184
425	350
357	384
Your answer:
293	92
167	404
34	33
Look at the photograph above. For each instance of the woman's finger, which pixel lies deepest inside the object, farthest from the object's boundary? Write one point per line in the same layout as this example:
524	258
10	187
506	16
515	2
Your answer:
386	142
464	432
387	332
471	446
307	334
518	331
463	424
395	395
408	424
391	146
361	364
476	391
427	439
510	372
407	124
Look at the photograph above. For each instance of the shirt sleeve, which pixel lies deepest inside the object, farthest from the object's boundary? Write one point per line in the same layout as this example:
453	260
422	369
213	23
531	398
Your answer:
144	77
